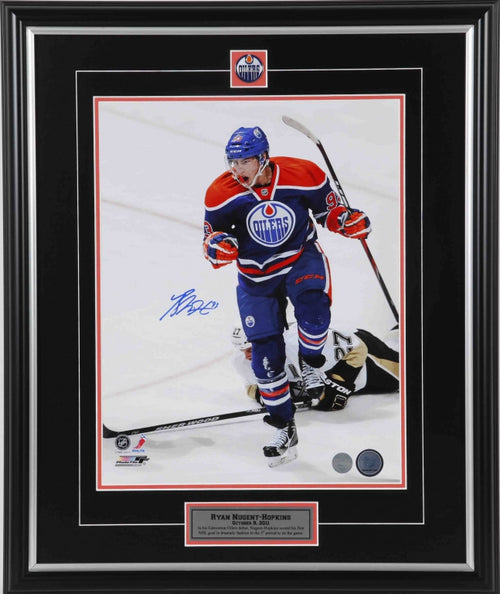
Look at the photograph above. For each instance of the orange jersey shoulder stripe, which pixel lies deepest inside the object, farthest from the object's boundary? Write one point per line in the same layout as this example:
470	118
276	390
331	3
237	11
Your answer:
222	190
293	173
299	173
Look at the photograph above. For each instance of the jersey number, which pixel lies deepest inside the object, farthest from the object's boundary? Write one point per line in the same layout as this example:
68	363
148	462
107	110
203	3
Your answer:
342	345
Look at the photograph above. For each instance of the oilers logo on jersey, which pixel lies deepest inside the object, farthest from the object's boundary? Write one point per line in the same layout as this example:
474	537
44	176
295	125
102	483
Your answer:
250	321
270	224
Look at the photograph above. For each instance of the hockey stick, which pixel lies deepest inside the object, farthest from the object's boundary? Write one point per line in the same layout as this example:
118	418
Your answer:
107	432
301	128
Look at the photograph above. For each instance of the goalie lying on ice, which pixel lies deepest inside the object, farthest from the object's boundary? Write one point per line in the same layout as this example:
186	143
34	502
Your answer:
357	361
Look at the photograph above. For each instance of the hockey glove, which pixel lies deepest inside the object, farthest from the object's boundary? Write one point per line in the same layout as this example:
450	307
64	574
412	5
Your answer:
298	392
253	392
220	248
335	395
349	223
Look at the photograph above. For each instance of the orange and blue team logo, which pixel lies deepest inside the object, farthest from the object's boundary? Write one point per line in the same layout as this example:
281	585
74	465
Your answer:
249	68
270	223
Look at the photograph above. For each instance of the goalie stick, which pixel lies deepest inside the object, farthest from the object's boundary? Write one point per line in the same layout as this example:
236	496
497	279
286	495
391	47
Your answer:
301	128
107	432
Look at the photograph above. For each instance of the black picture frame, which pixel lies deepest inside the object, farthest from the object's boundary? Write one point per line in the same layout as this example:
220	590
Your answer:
61	534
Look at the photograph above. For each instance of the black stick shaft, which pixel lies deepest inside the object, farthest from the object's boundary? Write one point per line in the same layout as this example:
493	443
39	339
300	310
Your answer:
317	142
363	241
107	432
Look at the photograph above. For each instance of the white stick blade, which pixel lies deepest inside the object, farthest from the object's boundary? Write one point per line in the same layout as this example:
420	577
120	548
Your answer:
300	127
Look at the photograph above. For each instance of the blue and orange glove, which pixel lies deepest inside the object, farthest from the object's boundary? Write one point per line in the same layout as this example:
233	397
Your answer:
349	223
220	248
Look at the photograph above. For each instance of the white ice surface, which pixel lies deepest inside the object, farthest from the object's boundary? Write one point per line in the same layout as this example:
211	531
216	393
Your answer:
156	159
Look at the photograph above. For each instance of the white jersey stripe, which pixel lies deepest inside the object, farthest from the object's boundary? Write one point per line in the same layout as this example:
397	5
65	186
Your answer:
281	380
327	268
260	279
272	259
312	347
276	402
320	336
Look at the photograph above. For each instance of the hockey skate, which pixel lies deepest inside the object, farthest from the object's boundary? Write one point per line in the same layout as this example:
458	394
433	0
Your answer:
311	379
283	448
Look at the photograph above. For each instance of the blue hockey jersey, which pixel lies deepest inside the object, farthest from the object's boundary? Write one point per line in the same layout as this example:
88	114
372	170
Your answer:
273	224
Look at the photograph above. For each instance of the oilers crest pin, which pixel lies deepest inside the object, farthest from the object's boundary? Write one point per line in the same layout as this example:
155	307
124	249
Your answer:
249	68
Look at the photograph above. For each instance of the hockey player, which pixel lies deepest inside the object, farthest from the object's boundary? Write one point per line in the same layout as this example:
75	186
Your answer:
258	213
358	362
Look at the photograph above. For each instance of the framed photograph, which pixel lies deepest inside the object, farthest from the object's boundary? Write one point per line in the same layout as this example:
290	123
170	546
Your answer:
251	296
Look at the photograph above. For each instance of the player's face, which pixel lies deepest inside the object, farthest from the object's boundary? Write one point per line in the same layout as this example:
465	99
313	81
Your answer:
248	353
245	170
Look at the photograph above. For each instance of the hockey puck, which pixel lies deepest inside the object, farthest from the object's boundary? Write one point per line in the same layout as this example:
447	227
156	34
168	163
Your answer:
342	462
369	462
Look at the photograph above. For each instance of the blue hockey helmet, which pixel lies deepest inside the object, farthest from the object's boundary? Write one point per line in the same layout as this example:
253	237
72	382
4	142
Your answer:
247	142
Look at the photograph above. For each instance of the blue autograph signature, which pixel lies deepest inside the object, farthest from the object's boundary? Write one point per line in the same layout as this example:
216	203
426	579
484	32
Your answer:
189	304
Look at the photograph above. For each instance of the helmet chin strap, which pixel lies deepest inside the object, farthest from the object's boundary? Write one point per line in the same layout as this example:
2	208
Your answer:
264	162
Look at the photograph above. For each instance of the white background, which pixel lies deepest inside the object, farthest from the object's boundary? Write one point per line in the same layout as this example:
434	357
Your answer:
156	159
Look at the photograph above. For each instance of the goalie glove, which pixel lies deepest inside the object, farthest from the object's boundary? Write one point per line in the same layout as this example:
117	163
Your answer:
335	395
349	223
220	248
